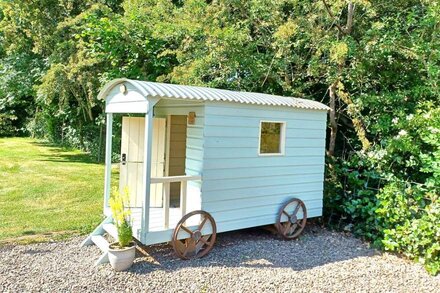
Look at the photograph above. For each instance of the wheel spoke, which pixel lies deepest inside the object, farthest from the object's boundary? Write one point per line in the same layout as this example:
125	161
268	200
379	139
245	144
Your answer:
293	228
202	223
185	252
180	245
296	209
287	215
204	241
187	230
286	228
198	248
190	246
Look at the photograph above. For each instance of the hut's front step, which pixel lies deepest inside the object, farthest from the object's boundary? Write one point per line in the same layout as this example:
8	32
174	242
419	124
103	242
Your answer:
111	230
97	238
103	244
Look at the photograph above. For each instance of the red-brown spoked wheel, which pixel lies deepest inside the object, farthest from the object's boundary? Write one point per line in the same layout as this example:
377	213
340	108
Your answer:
190	239
291	219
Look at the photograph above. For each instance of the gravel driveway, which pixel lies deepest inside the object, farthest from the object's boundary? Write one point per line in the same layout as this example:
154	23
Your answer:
244	261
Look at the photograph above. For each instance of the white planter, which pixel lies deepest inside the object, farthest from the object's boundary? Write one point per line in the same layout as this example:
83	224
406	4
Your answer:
121	258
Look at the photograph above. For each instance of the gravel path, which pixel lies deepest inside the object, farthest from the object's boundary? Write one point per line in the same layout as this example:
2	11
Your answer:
245	261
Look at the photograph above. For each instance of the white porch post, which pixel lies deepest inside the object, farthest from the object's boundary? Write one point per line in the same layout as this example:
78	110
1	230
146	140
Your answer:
108	161
147	173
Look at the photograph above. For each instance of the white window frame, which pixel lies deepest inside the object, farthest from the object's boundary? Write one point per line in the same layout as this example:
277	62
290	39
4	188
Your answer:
282	139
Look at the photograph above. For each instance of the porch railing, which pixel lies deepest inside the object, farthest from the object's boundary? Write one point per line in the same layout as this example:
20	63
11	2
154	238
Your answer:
166	181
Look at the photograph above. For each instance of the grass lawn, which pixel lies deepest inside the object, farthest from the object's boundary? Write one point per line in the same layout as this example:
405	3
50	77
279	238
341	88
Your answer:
47	192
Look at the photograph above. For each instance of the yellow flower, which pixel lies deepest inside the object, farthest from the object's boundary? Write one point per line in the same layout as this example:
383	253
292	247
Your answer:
120	206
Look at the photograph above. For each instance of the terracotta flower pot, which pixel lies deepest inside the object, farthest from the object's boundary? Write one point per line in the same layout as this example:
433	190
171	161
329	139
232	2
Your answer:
121	258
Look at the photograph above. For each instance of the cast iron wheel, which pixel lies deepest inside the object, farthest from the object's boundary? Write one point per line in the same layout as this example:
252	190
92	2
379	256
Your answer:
288	224
196	245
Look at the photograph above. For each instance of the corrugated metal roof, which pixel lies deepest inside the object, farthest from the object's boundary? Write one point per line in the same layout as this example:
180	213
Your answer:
165	90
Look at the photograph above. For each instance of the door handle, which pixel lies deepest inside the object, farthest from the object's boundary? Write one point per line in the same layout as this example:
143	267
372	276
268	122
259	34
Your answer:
124	159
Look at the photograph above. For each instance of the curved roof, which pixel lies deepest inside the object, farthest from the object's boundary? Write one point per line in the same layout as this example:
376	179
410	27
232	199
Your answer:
174	91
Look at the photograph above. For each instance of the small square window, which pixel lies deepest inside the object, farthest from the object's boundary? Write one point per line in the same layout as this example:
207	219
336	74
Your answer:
272	138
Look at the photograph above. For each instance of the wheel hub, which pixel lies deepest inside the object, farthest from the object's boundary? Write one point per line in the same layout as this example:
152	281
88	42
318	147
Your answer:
197	235
293	219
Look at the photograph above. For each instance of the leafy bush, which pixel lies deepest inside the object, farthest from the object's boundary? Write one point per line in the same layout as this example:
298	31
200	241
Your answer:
390	194
410	217
6	124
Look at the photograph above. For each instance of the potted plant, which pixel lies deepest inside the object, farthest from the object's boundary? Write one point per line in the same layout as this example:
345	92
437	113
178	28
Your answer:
121	254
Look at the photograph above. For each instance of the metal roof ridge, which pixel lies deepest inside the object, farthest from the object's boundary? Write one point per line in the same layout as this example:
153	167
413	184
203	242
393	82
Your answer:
194	92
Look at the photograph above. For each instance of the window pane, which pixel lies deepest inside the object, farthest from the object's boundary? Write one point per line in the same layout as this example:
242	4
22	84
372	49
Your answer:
270	138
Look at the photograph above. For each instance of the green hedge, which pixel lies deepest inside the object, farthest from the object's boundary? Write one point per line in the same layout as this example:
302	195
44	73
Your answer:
390	194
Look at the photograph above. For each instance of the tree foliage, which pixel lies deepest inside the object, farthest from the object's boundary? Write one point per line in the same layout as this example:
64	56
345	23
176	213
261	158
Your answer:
375	63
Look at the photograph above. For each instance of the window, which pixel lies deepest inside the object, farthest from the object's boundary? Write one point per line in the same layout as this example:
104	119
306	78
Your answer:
272	138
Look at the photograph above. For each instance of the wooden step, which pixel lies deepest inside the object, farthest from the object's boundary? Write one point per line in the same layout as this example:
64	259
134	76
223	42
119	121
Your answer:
100	241
111	230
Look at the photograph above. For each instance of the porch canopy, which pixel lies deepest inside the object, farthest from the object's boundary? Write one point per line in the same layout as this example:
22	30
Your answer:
134	96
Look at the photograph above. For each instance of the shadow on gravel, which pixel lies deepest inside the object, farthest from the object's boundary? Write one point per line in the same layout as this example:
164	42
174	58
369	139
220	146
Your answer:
256	248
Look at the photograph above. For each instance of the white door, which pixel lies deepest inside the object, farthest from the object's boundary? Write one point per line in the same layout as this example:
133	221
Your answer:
132	159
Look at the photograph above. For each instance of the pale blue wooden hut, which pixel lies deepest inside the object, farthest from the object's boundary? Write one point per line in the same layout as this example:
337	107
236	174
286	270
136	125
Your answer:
200	161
